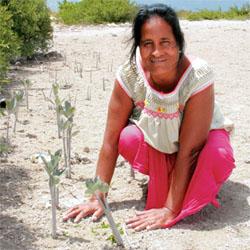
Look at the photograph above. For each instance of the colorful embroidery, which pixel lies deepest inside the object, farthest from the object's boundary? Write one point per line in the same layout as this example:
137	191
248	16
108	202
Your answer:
159	113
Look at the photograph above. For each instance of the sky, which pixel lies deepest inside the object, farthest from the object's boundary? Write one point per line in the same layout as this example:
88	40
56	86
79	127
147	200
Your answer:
179	4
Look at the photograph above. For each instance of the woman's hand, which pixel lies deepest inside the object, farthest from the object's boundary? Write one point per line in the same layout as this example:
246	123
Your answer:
92	207
151	219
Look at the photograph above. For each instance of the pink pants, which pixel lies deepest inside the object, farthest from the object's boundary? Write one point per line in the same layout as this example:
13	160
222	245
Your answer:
214	165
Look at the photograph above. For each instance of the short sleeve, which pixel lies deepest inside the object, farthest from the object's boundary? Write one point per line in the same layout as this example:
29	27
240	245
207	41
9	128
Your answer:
126	76
199	78
131	81
202	77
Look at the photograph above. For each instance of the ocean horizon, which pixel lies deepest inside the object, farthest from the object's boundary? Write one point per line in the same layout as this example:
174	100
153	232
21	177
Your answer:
192	5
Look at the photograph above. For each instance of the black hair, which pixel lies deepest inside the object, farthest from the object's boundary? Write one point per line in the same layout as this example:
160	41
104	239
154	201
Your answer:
163	11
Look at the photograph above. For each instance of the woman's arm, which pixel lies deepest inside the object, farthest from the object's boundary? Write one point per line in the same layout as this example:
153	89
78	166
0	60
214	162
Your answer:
120	108
193	134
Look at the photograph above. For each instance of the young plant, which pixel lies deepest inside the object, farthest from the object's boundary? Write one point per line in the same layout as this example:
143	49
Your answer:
26	84
95	187
12	107
66	125
58	106
54	173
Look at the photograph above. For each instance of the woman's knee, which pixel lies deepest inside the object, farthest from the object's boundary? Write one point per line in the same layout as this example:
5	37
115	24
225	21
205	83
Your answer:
130	140
217	157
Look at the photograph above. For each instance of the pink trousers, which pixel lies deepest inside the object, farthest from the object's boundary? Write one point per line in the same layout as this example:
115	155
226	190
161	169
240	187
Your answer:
214	165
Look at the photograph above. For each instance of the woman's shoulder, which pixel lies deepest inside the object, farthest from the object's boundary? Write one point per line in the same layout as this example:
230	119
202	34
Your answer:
128	67
200	67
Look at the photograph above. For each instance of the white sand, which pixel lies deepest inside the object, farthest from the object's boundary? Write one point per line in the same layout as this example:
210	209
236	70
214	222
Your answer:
25	212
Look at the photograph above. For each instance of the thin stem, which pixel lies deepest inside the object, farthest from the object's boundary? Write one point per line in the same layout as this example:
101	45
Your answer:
57	196
110	219
27	98
15	120
58	123
7	129
132	173
65	153
53	207
68	154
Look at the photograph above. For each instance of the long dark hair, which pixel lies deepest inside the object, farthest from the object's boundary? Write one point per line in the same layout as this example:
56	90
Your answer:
166	13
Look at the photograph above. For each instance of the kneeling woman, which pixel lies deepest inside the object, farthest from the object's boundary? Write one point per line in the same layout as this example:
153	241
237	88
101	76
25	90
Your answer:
163	119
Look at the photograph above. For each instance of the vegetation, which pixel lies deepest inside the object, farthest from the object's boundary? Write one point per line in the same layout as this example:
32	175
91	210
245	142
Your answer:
100	11
97	11
31	23
25	28
12	108
9	41
233	13
52	168
95	187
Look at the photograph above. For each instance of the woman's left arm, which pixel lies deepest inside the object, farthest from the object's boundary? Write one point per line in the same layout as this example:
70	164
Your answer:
193	134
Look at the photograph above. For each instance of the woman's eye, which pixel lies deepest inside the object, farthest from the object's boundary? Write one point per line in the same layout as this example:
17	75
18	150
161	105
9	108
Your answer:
147	44
166	43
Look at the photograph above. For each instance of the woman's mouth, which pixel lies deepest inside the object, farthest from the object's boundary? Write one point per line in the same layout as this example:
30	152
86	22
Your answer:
157	60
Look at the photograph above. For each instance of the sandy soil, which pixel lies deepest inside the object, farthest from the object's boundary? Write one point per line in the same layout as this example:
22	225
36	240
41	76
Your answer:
25	219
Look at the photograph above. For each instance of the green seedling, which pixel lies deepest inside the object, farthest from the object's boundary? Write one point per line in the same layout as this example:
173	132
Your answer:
12	107
52	168
66	125
58	106
26	84
105	226
95	187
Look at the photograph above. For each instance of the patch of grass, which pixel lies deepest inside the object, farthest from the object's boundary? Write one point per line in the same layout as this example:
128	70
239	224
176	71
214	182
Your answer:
234	13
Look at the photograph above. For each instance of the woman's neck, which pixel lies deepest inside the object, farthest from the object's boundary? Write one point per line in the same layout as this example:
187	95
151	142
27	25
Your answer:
167	82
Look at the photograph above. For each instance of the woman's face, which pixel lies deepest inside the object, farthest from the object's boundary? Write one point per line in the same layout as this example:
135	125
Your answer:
159	51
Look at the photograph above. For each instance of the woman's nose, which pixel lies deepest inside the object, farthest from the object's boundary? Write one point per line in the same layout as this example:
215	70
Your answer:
156	51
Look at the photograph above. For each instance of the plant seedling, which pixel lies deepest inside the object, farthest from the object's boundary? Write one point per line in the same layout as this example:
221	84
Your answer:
26	84
95	187
66	124
12	107
54	173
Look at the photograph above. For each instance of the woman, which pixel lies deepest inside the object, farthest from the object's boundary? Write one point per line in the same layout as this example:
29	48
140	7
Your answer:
163	119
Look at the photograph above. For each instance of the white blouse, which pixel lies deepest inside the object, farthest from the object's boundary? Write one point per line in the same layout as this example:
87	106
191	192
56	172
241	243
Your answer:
158	115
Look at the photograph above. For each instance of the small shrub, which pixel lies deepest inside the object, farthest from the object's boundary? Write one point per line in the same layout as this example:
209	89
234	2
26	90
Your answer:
9	43
233	13
97	11
31	23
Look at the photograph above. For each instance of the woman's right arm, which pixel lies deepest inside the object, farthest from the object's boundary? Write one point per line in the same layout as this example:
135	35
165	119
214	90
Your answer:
119	110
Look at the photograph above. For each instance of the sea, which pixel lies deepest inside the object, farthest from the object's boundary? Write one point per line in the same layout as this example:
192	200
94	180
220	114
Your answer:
192	5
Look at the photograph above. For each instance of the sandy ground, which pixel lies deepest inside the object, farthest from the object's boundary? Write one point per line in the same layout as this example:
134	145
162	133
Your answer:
25	219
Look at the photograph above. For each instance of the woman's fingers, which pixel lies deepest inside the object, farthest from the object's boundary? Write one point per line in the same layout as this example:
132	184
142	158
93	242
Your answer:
72	214
83	213
97	214
153	226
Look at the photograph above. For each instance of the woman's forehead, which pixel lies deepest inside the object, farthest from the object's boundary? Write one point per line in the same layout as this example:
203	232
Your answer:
156	26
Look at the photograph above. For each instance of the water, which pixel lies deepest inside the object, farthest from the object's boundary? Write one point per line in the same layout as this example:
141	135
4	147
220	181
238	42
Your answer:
179	4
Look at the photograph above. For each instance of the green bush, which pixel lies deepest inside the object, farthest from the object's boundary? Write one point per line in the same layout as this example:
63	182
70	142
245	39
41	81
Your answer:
233	13
31	23
97	11
9	43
